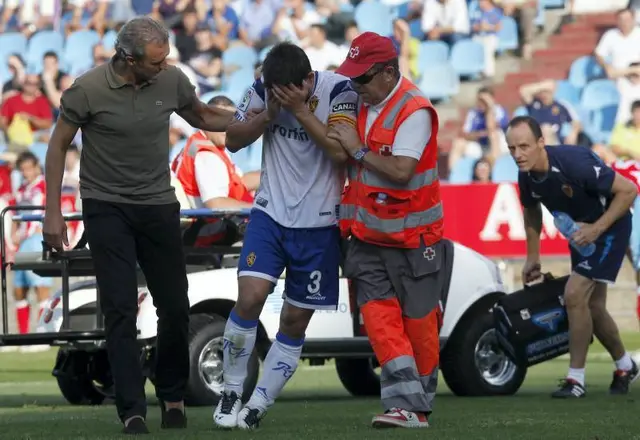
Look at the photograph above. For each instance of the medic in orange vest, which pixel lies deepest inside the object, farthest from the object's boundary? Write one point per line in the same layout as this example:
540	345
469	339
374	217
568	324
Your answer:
210	179
392	213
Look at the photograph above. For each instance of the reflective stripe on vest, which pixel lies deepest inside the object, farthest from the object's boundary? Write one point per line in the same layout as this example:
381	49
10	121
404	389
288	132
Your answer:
394	225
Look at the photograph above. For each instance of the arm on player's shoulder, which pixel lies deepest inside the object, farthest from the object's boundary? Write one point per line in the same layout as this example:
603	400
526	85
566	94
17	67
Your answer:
243	130
197	113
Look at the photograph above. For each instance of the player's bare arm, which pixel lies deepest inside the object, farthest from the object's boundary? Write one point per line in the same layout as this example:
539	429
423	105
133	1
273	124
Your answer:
245	131
533	228
294	99
397	169
207	117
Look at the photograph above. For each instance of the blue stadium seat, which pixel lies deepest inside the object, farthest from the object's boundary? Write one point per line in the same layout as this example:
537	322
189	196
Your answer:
504	169
40	150
415	27
552	4
109	40
462	171
565	91
236	84
78	49
439	82
508	35
40	43
467	58
601	123
240	56
583	70
432	53
10	43
520	111
374	17
599	93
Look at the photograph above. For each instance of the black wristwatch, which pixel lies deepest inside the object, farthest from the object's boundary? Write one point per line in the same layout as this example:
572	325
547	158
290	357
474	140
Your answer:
359	156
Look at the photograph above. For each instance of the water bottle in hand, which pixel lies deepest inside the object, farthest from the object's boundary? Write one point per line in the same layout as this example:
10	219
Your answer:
568	227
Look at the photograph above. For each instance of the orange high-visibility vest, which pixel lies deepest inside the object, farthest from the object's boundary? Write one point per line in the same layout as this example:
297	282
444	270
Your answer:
184	168
408	212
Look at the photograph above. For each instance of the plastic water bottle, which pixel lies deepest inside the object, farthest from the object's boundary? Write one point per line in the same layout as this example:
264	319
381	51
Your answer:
381	199
568	227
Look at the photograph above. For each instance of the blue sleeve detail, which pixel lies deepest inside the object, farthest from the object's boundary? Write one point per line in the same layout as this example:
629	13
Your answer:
341	87
259	88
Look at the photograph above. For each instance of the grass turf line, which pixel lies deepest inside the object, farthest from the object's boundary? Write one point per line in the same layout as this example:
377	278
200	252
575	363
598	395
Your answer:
316	406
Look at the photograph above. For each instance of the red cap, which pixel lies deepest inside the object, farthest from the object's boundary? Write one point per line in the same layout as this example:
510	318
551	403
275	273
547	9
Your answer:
366	50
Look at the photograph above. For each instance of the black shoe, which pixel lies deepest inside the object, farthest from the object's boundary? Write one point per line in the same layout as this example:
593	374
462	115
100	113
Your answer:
136	426
623	379
172	418
569	389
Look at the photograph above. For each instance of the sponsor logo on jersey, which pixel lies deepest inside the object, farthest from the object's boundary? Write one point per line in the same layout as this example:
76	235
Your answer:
246	99
297	134
567	190
344	107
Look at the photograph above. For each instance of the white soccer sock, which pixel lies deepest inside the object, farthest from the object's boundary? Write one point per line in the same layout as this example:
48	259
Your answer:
279	365
239	340
624	363
576	374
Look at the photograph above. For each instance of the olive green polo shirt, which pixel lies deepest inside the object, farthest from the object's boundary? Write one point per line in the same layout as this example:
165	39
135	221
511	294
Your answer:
125	133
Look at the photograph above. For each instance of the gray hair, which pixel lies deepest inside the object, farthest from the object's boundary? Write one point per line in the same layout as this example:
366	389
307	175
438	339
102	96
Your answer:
136	34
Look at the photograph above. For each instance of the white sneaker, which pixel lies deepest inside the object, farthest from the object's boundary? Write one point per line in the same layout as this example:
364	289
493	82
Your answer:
226	413
400	418
249	418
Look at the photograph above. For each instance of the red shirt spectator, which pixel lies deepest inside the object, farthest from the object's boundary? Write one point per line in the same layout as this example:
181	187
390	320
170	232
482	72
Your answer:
29	102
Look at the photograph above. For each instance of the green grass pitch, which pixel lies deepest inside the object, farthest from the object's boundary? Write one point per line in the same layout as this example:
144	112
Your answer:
315	406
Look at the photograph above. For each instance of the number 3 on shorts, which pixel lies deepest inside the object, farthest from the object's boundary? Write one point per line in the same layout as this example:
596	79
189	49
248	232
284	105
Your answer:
314	286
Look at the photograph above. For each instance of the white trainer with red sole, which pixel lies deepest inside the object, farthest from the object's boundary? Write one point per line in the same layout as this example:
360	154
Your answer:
400	418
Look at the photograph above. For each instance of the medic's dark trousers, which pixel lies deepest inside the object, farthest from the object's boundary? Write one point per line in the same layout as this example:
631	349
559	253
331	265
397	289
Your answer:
398	295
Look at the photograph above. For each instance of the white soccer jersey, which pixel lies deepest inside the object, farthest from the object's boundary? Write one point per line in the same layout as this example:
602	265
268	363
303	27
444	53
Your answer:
300	187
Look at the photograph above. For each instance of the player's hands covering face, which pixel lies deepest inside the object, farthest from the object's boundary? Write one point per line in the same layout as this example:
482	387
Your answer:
293	98
588	233
347	136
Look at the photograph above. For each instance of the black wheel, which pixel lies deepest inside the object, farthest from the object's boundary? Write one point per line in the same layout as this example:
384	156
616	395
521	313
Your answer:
74	378
359	376
205	354
472	362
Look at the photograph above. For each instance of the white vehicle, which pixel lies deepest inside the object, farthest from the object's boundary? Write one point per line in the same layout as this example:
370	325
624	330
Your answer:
471	361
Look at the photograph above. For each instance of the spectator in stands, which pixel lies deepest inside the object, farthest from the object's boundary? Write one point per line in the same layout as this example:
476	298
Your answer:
629	88
185	40
71	176
568	16
18	70
485	27
351	31
224	23
256	23
322	53
89	14
619	47
524	11
170	11
483	130
445	20
552	115
293	23
625	139
27	115
175	59
408	49
52	79
481	171
28	236
27	16
100	55
206	59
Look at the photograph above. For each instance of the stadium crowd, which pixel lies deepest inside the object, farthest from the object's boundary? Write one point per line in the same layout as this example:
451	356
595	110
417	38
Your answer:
219	44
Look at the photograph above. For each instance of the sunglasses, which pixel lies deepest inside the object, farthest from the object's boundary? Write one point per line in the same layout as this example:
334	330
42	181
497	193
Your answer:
367	77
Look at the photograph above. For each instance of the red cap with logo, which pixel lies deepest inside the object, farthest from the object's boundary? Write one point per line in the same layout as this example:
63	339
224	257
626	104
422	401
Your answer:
366	50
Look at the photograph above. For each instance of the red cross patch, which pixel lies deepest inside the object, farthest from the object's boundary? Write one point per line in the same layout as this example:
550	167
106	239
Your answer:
385	150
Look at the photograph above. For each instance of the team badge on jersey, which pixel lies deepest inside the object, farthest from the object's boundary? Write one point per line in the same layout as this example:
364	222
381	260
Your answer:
568	190
313	103
251	259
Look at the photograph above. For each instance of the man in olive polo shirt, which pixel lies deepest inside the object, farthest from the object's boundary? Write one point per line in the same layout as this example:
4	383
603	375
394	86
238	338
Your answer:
131	213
